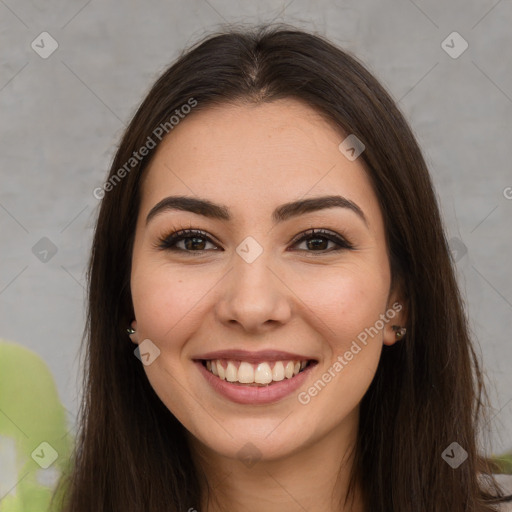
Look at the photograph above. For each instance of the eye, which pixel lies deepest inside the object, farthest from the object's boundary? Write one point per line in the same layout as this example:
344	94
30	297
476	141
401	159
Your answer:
195	240
320	238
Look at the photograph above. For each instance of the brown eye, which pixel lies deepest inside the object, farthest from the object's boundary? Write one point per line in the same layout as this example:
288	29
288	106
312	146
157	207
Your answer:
318	240
194	241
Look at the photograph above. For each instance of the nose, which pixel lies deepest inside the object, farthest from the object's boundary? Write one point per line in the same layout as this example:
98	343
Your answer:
253	296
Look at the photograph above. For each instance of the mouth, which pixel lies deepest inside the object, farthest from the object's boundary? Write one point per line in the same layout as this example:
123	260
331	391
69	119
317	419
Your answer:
251	379
262	374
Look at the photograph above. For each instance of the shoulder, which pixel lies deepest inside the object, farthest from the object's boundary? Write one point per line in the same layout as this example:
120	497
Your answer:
505	481
505	507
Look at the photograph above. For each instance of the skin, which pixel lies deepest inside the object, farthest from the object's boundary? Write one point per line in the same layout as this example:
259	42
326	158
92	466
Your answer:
293	297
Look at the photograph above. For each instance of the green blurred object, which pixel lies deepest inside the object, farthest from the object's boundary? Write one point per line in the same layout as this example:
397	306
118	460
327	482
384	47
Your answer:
34	440
504	463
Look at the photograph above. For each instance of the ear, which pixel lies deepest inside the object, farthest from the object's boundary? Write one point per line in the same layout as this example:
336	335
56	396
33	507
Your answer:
135	336
396	313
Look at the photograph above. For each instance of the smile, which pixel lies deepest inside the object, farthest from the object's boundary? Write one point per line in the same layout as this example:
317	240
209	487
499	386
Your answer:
254	378
257	374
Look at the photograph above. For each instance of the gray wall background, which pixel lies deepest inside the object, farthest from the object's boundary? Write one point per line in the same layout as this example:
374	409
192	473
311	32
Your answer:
61	118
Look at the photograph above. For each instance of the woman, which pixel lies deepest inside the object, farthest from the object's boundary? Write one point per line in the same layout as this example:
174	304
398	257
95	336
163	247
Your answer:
270	237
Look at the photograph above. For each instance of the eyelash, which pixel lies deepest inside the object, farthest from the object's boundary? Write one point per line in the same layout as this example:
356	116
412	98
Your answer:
169	242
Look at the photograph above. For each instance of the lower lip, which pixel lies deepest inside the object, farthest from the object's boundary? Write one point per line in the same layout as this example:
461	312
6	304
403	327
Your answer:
255	394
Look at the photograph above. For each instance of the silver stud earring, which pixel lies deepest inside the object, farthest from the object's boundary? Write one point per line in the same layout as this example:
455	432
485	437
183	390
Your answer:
399	331
130	330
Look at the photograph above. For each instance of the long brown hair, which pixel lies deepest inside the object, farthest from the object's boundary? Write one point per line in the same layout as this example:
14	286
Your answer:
131	452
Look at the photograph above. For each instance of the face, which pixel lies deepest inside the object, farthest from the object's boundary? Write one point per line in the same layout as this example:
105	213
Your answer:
296	318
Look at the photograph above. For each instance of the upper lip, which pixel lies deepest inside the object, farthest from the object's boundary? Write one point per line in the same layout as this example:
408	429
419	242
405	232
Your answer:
253	357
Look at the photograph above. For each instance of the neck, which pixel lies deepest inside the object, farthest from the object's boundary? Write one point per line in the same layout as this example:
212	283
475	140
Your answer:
314	477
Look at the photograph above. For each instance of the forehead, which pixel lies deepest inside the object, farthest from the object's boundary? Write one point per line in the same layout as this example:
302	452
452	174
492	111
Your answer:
256	156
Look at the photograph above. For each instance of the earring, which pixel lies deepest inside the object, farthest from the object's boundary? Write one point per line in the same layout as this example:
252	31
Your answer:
130	330
399	331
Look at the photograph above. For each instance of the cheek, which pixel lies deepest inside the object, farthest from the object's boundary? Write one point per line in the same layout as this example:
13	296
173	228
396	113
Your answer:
161	299
163	295
347	311
345	303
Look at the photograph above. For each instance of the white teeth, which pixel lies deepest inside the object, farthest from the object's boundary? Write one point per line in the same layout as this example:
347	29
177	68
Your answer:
262	373
245	373
278	371
231	372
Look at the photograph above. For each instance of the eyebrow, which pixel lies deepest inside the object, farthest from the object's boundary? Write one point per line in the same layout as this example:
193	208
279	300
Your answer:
280	214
